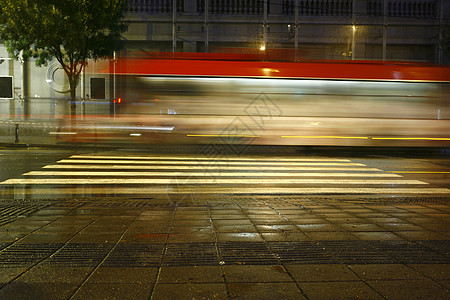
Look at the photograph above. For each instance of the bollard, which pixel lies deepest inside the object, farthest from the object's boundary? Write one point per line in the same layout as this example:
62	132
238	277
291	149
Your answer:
17	133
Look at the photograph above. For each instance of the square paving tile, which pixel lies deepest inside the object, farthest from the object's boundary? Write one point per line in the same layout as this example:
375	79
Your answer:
191	238
379	236
96	238
338	290
301	221
148	229
10	237
318	227
437	227
154	219
265	291
235	228
272	221
227	212
330	236
191	223
385	271
435	271
229	217
336	215
190	274
361	227
421	235
381	221
276	228
190	217
252	273
61	228
32	291
402	227
18	229
56	274
351	220
144	238
28	222
409	289
293	211
8	274
420	220
190	291
323	272
191	229
38	237
372	215
231	222
239	237
288	236
113	291
139	275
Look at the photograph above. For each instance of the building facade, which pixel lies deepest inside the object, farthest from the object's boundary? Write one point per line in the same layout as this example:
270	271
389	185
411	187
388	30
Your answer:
406	30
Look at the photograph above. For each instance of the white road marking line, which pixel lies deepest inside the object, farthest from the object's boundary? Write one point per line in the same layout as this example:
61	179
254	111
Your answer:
205	167
254	181
217	173
169	162
250	159
118	190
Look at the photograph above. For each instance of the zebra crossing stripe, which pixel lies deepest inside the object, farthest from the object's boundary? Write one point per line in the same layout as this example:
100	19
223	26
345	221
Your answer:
206	167
194	158
215	162
166	181
207	173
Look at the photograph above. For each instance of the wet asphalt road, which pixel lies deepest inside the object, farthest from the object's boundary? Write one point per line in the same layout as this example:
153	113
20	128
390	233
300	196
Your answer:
432	169
277	223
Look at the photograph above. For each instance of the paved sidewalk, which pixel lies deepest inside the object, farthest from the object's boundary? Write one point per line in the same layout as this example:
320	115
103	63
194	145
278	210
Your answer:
225	247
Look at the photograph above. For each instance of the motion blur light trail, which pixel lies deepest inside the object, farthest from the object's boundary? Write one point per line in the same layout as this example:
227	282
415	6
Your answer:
204	99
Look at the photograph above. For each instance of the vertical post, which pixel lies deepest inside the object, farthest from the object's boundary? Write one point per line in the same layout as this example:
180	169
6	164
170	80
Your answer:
384	29
26	88
206	25
16	140
265	25
83	91
353	28
12	104
114	82
441	32
174	26
296	28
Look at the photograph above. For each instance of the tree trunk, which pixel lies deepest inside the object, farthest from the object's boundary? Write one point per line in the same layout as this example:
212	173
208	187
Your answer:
73	103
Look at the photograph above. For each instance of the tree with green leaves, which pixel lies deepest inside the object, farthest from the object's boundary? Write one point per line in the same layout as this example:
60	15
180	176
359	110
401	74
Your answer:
71	31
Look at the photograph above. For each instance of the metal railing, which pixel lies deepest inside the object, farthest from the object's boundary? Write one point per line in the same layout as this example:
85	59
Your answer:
318	7
403	8
154	6
233	7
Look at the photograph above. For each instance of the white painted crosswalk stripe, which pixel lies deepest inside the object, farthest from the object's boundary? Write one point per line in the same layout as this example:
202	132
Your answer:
206	181
216	162
208	167
199	158
215	173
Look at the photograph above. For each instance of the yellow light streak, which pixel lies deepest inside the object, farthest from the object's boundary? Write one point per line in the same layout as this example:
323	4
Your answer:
220	135
324	137
419	172
411	138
